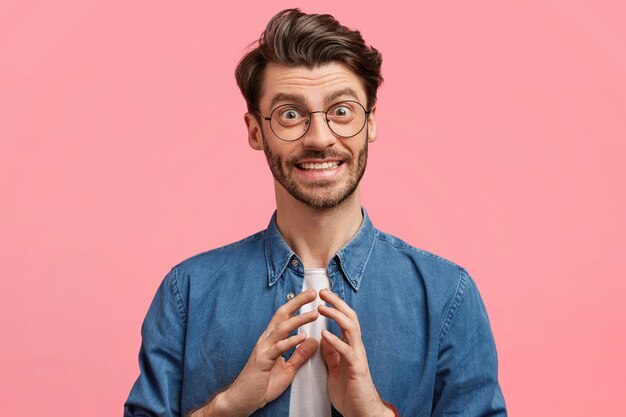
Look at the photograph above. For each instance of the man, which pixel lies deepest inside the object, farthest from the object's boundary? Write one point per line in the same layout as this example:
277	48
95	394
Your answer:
320	314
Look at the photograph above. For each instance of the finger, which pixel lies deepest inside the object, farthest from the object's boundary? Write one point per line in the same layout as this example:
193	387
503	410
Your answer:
349	328
330	355
288	309
273	353
303	353
341	347
283	329
284	345
331	298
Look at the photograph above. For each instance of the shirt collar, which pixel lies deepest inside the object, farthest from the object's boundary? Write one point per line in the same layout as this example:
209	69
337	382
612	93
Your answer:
351	259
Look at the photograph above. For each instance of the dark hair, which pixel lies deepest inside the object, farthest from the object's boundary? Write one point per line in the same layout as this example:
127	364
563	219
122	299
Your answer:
293	38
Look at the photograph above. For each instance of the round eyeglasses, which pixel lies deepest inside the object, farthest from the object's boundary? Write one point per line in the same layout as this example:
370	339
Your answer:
290	122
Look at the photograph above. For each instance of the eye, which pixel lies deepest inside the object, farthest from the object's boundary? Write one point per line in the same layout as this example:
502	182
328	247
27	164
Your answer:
342	111
290	115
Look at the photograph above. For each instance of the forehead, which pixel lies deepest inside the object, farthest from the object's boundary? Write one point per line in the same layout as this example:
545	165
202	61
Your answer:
314	87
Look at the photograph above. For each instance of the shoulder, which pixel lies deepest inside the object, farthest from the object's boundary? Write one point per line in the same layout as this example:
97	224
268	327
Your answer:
213	257
447	284
205	267
428	263
444	281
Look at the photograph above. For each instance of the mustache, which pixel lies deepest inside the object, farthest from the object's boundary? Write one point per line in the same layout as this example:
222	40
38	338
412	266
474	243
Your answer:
316	154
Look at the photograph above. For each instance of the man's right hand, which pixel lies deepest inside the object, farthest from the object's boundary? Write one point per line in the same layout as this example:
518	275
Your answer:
267	374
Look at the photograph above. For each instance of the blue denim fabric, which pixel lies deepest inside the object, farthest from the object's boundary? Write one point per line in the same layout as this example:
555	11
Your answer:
425	329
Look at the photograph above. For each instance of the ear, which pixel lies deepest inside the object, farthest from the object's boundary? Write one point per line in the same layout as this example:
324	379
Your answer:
255	137
371	125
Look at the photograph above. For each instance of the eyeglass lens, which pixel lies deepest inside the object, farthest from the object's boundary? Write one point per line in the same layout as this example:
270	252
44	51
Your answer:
291	122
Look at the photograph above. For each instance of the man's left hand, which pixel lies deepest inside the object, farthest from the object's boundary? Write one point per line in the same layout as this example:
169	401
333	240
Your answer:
350	385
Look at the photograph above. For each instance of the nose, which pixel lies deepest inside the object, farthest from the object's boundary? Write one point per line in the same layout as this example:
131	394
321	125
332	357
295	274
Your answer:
319	134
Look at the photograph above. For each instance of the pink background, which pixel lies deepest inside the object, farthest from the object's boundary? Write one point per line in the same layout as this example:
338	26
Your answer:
123	151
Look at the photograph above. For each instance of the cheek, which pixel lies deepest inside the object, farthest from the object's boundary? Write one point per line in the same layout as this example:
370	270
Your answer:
278	161
288	157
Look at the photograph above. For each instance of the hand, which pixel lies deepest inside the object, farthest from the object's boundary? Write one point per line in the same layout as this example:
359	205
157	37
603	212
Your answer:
266	375
350	385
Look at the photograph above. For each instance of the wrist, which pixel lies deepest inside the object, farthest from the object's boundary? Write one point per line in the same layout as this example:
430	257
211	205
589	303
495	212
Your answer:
226	405
221	405
378	409
391	410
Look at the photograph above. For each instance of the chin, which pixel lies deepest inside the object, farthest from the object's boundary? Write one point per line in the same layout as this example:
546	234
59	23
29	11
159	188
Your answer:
322	200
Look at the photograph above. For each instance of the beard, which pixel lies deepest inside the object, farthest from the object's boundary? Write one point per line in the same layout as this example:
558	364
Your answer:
322	194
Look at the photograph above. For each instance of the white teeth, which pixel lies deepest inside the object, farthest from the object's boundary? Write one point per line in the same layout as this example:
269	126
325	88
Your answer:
317	165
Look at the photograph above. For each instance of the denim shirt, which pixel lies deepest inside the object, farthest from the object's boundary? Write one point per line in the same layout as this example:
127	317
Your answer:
424	326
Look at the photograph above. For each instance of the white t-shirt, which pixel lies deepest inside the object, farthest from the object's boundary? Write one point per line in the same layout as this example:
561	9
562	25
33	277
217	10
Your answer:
309	391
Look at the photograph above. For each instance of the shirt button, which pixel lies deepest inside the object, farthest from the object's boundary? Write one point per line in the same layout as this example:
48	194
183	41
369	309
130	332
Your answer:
294	262
290	295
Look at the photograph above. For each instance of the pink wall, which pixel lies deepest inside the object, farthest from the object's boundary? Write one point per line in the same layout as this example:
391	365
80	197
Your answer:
501	138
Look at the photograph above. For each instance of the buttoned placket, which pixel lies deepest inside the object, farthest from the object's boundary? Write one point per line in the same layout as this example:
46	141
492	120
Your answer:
337	287
288	285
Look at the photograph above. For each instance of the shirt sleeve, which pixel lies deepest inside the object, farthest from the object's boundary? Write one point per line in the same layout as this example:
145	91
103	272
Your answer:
467	366
157	390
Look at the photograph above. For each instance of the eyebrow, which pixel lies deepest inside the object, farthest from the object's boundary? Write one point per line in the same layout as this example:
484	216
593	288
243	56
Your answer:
341	93
298	99
292	98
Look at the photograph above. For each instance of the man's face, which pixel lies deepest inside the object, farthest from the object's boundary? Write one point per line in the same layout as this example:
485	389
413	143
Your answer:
320	169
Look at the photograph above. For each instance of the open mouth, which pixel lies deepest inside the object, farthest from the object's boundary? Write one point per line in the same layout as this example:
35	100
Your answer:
318	166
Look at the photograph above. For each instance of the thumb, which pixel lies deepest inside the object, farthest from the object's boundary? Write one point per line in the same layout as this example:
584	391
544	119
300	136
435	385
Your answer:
330	355
303	352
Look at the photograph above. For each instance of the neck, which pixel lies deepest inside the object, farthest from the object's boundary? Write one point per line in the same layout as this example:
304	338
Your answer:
317	234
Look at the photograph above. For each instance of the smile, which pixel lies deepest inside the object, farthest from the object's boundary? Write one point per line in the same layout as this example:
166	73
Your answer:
319	165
